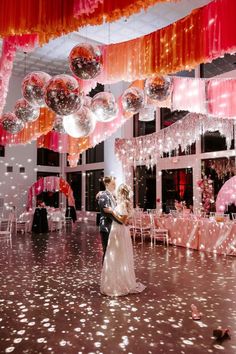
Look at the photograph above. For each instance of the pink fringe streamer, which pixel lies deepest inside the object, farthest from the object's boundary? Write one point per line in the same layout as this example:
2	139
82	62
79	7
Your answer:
26	43
85	7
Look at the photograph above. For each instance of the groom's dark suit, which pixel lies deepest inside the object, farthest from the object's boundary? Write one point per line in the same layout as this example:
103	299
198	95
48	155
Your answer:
105	200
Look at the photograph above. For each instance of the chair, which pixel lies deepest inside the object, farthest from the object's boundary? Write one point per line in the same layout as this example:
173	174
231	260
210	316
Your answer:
22	226
221	217
68	223
141	225
55	225
158	233
174	213
56	222
233	217
6	230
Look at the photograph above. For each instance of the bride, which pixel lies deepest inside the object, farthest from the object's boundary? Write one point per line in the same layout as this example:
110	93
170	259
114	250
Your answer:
118	276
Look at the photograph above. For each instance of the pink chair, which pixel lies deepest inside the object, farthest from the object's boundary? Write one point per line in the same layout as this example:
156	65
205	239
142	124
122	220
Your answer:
158	233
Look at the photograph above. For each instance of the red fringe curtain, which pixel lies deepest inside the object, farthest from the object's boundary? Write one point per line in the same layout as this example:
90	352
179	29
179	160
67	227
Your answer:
53	18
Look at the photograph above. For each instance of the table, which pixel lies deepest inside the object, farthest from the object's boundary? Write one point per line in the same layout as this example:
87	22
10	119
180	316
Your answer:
217	237
40	221
200	233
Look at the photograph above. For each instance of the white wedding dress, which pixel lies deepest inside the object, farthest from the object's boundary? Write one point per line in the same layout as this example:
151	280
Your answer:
118	276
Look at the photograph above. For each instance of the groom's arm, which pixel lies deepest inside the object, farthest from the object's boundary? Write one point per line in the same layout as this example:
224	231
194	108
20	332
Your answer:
120	219
104	205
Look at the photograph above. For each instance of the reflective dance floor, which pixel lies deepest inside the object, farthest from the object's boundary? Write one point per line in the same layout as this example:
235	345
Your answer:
50	300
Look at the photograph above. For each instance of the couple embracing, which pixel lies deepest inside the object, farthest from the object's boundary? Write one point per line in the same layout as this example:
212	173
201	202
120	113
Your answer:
118	276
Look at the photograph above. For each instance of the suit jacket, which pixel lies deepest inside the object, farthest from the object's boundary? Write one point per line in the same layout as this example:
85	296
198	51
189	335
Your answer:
106	200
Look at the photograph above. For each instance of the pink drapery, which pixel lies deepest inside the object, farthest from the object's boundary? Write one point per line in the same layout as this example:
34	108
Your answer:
50	184
189	94
226	195
221	97
10	45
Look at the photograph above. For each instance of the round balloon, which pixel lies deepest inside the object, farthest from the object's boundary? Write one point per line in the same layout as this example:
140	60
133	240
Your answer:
58	125
32	88
24	111
87	100
158	87
104	106
63	95
85	61
147	114
133	100
80	124
11	123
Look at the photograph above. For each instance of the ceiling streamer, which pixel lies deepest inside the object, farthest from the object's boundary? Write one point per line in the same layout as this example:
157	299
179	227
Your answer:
146	149
54	18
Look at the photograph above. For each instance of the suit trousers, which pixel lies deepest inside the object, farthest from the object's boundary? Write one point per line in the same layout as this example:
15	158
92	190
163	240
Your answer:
104	238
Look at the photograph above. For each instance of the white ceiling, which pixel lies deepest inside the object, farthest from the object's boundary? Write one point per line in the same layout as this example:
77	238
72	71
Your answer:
52	57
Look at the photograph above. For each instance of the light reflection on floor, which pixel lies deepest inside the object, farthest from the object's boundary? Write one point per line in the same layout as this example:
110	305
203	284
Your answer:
50	300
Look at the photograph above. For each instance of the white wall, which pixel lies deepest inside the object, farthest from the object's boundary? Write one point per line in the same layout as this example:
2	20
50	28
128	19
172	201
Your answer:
14	185
112	166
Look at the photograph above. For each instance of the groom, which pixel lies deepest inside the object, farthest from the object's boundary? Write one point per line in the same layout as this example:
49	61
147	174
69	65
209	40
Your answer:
106	201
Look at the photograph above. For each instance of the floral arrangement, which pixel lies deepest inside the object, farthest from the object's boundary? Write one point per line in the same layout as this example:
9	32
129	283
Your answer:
206	186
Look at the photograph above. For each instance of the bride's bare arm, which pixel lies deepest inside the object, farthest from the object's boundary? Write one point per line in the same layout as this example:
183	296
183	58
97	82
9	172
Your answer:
120	218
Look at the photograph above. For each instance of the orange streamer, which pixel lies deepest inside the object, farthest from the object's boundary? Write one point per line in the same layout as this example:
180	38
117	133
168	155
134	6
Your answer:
32	131
41	126
200	37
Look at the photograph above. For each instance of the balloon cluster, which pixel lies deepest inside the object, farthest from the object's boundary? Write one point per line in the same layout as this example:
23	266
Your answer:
76	114
27	109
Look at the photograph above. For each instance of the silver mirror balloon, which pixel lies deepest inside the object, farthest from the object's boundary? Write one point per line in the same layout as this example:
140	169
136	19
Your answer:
24	111
32	88
158	87
58	125
11	123
85	61
147	114
87	101
63	95
80	124
104	107
133	100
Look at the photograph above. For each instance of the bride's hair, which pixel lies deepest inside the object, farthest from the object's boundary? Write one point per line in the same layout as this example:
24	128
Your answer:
123	192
